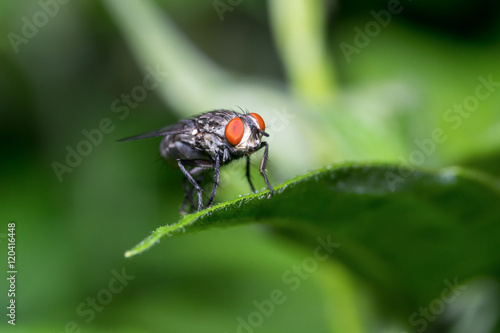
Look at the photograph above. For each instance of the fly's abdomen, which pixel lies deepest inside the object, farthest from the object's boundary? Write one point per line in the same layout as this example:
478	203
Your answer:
181	146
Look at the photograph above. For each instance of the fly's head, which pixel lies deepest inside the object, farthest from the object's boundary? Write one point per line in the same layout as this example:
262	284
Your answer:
244	133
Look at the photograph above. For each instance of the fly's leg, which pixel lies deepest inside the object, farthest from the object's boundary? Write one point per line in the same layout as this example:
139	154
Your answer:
263	169
216	180
248	175
199	180
199	165
189	199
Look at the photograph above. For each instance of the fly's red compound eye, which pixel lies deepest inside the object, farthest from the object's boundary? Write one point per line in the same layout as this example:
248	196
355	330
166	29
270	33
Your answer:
259	119
234	131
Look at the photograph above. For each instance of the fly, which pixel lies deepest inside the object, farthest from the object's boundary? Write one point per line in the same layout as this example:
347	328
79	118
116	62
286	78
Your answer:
209	141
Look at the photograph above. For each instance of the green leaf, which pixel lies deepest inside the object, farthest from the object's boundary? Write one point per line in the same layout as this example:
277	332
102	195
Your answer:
405	231
487	163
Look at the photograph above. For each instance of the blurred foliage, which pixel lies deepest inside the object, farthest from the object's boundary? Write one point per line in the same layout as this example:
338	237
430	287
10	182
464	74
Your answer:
284	61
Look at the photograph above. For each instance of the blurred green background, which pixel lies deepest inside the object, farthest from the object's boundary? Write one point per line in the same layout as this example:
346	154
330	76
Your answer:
67	66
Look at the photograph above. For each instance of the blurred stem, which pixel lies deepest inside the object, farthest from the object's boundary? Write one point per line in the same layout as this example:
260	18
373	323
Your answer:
156	42
299	28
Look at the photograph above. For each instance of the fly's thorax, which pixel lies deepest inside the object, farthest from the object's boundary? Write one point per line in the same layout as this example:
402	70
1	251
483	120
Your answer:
212	143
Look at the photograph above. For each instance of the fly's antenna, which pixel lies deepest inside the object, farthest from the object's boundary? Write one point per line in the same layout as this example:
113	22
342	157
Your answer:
262	132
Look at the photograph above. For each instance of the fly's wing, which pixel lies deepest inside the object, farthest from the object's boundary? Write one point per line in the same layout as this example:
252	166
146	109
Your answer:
185	126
